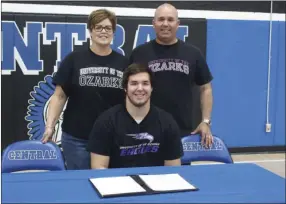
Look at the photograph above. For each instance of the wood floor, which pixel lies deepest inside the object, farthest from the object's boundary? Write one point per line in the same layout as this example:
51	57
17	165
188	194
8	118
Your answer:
274	162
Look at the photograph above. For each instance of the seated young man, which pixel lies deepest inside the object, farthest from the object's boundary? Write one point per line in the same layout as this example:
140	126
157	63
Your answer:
135	134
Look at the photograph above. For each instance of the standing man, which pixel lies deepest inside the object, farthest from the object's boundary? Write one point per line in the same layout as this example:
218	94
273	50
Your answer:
177	67
136	134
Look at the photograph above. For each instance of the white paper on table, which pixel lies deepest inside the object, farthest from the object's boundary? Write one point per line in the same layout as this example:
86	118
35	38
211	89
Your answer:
116	185
166	182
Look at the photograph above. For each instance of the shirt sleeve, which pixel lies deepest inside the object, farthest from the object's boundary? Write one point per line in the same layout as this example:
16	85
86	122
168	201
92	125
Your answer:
173	148
100	138
136	56
202	73
63	76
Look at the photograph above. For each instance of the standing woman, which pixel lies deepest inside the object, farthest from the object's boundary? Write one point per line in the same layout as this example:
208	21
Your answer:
89	80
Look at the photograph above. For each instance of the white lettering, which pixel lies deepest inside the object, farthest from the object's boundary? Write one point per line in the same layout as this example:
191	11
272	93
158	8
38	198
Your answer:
32	155
169	65
197	146
111	82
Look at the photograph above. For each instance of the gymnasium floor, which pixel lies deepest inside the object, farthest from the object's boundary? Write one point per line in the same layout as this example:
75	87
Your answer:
274	162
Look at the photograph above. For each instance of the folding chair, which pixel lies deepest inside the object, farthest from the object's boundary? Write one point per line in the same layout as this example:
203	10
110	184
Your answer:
195	151
32	155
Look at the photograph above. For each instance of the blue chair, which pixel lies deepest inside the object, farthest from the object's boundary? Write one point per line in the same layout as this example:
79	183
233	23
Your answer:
32	155
194	151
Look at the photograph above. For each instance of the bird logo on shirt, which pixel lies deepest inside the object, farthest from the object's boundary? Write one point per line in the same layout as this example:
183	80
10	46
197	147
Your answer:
142	136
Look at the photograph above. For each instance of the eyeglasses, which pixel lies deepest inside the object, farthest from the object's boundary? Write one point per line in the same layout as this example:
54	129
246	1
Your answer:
99	28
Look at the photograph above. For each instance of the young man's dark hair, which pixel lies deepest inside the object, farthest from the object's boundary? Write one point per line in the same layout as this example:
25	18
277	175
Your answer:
135	69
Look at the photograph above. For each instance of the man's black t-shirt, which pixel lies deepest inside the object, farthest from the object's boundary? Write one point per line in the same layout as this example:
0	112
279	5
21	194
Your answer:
129	144
176	68
92	84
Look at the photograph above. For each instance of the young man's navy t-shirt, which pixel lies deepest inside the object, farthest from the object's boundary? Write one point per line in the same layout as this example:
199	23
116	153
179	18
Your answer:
129	144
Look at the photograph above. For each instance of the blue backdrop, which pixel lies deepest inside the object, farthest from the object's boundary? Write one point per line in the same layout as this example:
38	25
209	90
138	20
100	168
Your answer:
237	53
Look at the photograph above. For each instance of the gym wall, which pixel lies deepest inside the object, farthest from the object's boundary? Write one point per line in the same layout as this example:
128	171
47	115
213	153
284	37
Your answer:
236	47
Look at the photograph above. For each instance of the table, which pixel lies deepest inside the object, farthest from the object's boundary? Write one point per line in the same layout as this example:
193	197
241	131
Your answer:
240	183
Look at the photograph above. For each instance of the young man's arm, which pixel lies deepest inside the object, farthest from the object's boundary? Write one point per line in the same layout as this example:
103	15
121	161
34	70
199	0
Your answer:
99	161
100	142
175	162
173	148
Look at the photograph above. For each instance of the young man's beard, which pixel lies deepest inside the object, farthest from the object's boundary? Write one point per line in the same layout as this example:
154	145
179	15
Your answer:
140	104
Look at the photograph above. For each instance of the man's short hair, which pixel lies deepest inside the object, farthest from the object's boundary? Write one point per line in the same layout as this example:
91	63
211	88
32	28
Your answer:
99	15
136	69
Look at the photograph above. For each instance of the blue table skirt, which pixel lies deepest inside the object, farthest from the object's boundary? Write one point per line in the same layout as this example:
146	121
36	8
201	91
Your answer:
239	183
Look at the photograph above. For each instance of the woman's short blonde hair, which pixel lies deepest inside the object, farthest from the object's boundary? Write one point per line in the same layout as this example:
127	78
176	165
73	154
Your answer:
99	15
